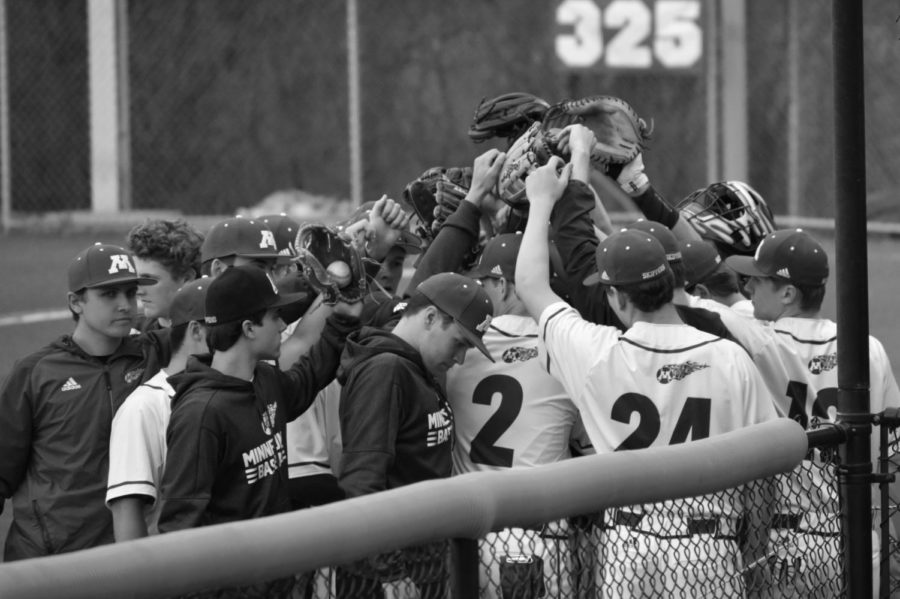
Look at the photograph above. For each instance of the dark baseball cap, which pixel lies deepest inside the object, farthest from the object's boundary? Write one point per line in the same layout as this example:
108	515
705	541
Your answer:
789	254
244	237
407	240
242	291
663	234
498	258
701	259
189	302
464	300
103	265
629	257
285	230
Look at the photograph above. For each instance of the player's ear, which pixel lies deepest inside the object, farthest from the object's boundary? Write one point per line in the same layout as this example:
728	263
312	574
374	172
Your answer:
217	267
790	294
247	329
75	301
700	290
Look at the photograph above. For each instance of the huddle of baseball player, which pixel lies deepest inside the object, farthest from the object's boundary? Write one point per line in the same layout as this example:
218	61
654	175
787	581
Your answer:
271	365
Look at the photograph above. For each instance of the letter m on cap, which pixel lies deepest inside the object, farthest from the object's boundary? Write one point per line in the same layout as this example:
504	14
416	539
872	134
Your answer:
119	262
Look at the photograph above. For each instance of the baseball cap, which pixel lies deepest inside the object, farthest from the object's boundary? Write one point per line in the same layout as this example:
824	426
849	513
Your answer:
103	265
407	240
498	258
790	254
242	291
464	300
189	302
701	259
629	257
284	228
244	237
663	234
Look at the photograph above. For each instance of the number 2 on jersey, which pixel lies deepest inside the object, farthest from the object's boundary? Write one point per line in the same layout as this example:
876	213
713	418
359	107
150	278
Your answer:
693	421
484	449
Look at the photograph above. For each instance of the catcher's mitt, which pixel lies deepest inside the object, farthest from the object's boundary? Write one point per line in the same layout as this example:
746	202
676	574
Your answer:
332	266
507	115
435	195
619	133
620	136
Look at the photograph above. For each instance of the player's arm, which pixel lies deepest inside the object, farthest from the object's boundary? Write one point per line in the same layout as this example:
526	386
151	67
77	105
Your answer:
191	464
459	233
305	334
313	371
369	409
136	452
128	517
544	187
15	427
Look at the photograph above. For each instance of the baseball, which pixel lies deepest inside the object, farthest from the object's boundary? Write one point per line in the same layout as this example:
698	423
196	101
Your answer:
340	271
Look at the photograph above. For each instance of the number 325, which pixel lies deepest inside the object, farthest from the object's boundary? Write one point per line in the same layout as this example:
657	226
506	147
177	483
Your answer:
668	32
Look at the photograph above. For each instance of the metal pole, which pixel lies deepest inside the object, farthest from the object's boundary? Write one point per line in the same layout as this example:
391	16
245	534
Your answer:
793	136
852	293
5	174
353	104
713	106
463	568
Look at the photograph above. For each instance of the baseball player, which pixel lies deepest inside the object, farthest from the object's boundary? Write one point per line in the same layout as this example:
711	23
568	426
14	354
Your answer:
137	444
787	284
169	252
57	405
226	438
660	383
238	241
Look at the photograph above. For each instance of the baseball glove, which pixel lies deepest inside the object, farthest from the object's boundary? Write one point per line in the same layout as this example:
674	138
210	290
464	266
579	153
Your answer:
507	115
620	135
332	266
435	196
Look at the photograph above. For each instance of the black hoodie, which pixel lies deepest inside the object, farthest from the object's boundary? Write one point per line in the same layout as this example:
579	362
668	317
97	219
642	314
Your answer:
226	456
396	423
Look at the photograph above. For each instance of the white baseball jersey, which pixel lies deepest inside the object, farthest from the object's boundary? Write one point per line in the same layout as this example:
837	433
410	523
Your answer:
508	413
137	445
306	442
654	385
743	308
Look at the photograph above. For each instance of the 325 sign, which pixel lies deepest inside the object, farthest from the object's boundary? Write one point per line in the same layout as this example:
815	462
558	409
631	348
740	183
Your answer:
630	34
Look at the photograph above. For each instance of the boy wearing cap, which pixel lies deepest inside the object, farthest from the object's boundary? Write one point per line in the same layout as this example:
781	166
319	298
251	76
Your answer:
238	241
227	457
57	405
396	423
137	445
683	383
169	252
788	274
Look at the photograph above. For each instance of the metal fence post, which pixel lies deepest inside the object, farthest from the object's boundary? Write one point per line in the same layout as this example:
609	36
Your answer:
463	568
852	295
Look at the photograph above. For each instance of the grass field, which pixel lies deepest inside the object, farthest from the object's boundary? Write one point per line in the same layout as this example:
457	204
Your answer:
34	268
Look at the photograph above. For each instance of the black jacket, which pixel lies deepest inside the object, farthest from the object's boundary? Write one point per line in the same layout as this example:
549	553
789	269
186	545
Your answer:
396	423
56	410
226	456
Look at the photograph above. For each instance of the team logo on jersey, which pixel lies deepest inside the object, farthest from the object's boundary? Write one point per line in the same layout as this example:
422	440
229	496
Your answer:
133	375
118	263
519	354
268	418
823	363
440	428
676	372
265	459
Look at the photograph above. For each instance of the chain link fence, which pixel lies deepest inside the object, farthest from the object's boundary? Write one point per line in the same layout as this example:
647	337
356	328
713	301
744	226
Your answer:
230	100
777	537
